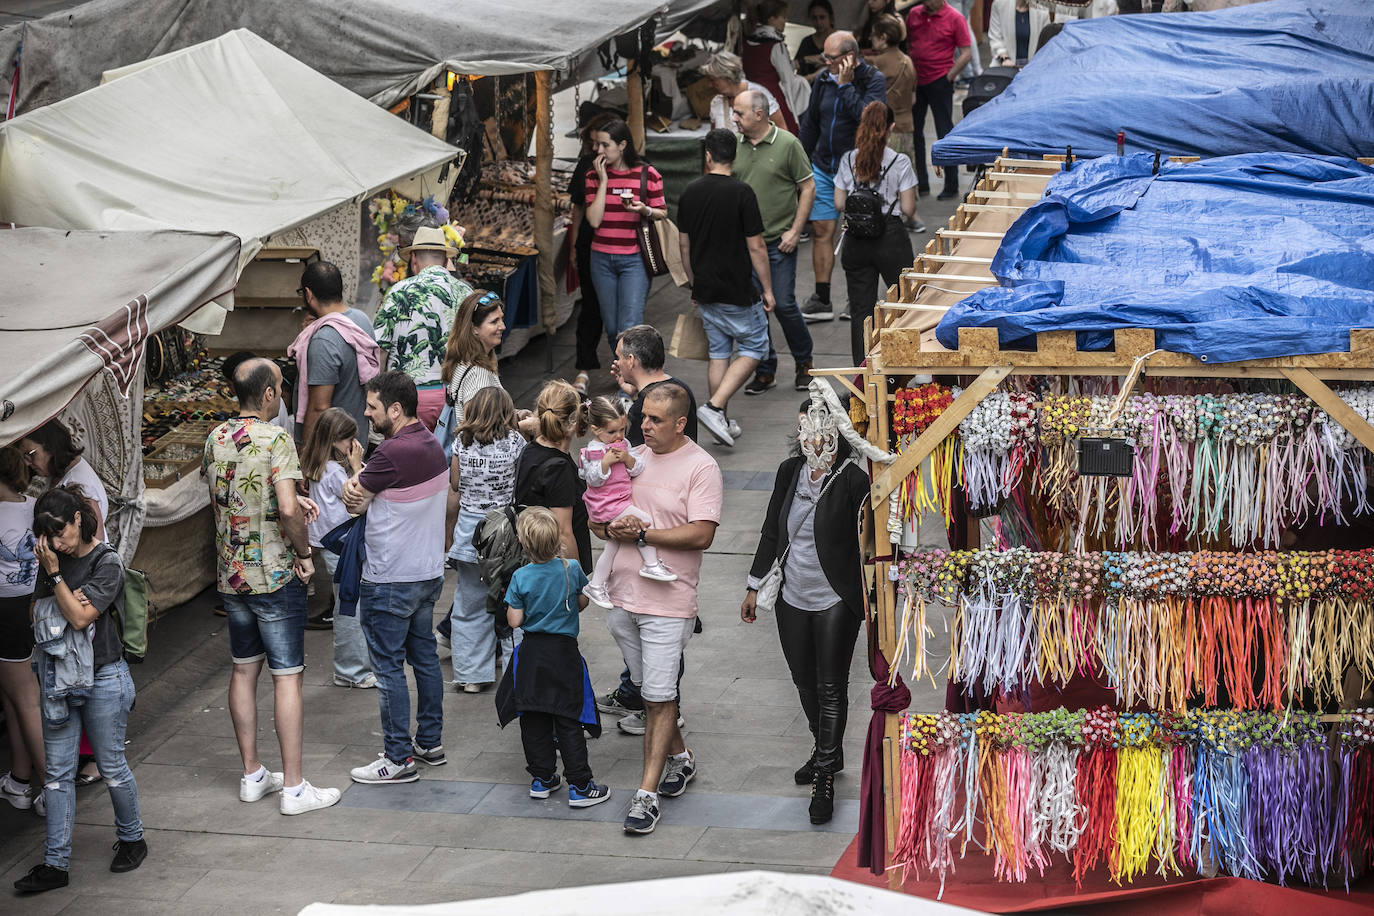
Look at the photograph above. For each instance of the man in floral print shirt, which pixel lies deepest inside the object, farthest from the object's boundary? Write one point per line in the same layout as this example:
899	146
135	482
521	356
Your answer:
414	320
263	564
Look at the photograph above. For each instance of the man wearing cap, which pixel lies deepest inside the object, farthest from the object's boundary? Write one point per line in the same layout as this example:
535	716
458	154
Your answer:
414	320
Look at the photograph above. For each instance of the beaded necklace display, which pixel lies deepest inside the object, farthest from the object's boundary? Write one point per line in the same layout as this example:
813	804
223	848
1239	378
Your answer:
1253	794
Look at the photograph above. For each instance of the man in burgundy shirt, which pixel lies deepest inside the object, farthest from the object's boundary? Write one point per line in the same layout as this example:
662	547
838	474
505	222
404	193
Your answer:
940	45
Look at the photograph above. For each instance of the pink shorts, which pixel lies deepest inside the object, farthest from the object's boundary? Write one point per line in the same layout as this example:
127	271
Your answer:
431	405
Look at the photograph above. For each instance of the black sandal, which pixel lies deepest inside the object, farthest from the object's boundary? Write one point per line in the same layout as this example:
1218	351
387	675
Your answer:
85	779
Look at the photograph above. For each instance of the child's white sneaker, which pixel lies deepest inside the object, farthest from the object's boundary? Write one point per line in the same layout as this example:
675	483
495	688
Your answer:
599	595
658	572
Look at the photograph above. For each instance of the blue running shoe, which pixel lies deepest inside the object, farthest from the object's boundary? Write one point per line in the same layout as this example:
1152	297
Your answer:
540	788
588	795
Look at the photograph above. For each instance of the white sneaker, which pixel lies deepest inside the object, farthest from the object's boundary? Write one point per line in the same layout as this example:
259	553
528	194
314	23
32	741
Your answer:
658	572
443	645
636	723
715	424
382	772
599	595
15	792
369	681
310	799
40	807
250	790
735	429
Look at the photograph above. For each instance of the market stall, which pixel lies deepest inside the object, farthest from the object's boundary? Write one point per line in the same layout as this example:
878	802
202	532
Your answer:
75	339
289	156
1158	662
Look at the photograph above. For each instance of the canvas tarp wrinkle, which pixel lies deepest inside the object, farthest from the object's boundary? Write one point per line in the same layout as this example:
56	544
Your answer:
1238	257
1282	76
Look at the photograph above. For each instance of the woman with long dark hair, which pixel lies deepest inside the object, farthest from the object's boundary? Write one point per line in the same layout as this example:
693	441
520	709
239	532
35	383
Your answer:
811	530
78	599
875	10
810	59
624	191
580	234
874	167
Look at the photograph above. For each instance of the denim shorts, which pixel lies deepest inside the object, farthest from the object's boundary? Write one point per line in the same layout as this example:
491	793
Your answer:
728	326
824	205
268	626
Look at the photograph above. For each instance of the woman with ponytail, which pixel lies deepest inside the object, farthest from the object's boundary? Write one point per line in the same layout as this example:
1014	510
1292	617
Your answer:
547	475
874	170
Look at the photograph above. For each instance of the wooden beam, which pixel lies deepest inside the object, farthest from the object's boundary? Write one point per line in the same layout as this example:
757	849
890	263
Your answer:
543	198
967	234
634	115
1329	401
841	375
990	208
946	423
954	259
948	278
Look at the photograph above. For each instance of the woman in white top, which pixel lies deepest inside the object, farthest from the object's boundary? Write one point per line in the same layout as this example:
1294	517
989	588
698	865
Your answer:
329	457
872	167
1014	30
22	786
50	452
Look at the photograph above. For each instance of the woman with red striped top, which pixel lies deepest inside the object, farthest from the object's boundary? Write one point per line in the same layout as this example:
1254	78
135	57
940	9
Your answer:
624	190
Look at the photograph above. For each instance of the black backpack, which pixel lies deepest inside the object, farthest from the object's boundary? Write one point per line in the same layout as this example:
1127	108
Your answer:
864	214
499	554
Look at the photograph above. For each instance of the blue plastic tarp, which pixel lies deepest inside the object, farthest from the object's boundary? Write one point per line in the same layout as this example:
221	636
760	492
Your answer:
1284	76
1239	257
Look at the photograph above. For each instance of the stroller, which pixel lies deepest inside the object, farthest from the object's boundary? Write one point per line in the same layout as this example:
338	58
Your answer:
987	86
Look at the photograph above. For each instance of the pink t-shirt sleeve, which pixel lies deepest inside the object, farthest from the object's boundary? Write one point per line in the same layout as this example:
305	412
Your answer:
591	183
655	185
706	495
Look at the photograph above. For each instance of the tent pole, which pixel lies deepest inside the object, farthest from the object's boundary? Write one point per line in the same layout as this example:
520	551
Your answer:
543	204
634	89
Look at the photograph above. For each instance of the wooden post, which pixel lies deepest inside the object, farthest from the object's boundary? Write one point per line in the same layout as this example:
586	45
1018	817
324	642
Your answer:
543	197
634	89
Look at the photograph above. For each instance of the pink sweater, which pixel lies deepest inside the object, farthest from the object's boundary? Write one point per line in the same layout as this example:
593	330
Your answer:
608	494
369	355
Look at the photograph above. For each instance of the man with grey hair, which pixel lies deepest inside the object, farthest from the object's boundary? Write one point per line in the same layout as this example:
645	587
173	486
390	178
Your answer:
773	163
726	73
838	98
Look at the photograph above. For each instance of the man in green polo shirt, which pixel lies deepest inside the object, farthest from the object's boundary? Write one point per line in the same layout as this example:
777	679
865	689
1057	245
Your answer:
773	163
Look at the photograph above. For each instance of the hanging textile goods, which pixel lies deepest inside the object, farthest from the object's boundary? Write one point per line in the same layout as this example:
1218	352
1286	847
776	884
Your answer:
1238	467
1250	629
1253	794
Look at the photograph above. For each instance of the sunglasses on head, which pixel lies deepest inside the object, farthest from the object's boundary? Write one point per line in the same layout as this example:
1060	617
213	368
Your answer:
488	298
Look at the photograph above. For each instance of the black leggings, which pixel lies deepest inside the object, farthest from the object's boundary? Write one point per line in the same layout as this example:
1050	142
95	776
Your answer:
818	646
864	261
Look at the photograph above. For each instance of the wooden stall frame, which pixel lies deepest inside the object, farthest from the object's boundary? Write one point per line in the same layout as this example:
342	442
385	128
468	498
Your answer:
900	346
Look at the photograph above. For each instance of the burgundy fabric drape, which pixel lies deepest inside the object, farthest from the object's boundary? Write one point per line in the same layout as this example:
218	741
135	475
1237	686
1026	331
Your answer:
872	824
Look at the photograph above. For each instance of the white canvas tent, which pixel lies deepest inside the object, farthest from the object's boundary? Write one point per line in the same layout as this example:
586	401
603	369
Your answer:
76	310
232	134
746	893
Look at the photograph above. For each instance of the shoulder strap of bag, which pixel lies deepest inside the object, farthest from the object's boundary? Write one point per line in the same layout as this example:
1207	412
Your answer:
819	496
458	388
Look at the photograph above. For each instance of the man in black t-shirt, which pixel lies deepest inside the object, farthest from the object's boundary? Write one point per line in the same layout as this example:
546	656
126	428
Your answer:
722	251
638	367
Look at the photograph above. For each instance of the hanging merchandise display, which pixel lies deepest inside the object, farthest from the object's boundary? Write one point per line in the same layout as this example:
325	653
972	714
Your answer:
1252	630
1251	794
1233	468
394	216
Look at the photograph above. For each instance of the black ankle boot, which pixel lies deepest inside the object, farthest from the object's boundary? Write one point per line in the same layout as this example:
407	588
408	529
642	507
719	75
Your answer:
823	798
806	773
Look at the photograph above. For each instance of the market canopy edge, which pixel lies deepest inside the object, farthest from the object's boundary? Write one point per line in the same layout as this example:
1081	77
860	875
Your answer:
75	303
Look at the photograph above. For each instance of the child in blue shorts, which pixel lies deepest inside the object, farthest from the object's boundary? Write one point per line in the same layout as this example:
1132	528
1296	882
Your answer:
546	684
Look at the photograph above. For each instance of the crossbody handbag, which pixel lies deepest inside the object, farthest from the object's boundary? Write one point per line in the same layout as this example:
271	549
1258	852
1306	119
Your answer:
767	595
646	233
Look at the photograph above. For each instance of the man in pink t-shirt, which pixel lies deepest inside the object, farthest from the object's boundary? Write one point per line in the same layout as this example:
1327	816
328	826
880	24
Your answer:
940	45
682	490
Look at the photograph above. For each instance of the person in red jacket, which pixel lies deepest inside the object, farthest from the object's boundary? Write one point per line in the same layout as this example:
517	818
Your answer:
940	45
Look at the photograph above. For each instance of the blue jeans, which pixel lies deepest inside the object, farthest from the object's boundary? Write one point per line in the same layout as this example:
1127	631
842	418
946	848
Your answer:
783	268
269	625
398	620
351	661
103	712
622	288
474	631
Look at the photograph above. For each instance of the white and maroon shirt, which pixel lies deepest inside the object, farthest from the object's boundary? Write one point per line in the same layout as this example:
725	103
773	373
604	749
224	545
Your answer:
408	473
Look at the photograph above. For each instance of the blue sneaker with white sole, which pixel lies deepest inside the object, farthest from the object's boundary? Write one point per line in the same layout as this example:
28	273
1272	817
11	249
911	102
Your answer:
542	788
588	795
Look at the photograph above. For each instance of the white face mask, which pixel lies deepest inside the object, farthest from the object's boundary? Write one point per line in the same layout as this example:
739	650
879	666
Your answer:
819	438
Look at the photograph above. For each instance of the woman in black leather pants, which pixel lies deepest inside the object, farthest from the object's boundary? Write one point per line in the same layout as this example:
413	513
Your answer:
815	508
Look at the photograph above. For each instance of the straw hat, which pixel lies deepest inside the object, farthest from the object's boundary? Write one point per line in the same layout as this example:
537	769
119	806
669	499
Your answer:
429	239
